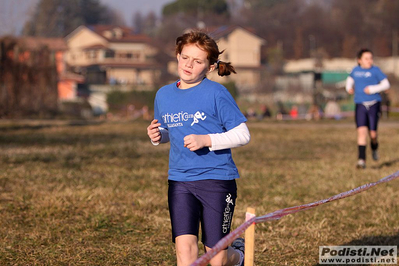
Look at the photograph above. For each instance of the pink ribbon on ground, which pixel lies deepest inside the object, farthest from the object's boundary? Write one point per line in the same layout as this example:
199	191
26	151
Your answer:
227	240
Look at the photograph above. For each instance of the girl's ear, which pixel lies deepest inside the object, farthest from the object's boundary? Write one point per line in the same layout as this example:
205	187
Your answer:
211	68
178	57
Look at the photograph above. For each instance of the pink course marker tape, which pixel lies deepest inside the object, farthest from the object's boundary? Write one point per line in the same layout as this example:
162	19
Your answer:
227	240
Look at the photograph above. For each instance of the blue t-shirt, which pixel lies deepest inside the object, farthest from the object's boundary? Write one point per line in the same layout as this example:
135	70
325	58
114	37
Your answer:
364	77
203	109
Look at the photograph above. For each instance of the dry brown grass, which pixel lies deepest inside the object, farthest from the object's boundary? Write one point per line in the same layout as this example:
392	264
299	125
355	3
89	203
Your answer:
96	194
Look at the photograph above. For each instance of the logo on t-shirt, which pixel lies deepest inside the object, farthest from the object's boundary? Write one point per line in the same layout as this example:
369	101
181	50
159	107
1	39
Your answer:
362	74
198	115
177	119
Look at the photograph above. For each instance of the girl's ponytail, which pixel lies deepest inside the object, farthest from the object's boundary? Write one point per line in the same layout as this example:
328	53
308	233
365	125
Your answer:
225	68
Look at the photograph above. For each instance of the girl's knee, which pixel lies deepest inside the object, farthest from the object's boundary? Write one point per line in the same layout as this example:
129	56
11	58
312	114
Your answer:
373	135
186	249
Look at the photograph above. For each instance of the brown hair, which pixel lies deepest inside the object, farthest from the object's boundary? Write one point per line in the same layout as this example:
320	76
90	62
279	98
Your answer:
206	43
361	52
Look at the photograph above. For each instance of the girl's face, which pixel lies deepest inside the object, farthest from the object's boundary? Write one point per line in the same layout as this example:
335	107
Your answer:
192	66
366	61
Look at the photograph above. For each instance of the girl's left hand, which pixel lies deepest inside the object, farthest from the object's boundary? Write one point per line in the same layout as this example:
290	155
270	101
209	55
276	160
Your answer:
366	90
196	142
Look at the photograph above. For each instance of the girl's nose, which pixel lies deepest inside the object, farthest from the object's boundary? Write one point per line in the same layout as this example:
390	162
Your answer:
189	63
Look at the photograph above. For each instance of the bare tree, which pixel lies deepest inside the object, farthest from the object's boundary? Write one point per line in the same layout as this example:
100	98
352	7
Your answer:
57	18
28	80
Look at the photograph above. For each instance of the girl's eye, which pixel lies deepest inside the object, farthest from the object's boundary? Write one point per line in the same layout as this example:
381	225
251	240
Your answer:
198	62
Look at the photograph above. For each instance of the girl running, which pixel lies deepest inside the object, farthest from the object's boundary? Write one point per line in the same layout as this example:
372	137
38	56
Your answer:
202	122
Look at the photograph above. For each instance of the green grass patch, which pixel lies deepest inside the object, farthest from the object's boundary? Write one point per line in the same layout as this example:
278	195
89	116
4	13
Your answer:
97	194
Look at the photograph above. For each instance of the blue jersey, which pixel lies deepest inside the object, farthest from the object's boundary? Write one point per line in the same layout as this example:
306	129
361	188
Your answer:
203	109
364	77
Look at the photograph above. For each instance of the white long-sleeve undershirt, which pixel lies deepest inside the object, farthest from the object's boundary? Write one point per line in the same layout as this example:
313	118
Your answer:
382	86
349	83
233	138
236	137
164	136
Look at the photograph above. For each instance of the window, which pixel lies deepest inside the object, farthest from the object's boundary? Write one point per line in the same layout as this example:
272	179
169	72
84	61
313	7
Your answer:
109	54
91	54
128	55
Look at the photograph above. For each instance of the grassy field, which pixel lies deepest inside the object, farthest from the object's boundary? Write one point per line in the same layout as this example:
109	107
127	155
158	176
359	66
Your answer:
96	194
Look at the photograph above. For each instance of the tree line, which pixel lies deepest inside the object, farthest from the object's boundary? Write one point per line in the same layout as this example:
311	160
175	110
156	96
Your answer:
297	28
28	80
293	29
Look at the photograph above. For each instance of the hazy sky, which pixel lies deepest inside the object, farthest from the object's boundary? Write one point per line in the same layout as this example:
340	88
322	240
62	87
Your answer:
130	7
14	13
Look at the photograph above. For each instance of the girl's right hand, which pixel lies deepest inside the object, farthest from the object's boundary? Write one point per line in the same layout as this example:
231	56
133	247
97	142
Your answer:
153	131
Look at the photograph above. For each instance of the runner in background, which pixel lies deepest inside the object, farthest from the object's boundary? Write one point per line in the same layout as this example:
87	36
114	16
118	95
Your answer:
366	82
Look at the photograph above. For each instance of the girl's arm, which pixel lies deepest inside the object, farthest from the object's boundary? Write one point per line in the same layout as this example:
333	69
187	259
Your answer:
349	84
157	133
382	86
164	136
233	138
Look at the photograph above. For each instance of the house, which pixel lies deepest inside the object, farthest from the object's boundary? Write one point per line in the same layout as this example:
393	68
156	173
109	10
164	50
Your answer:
112	55
311	80
242	47
335	70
